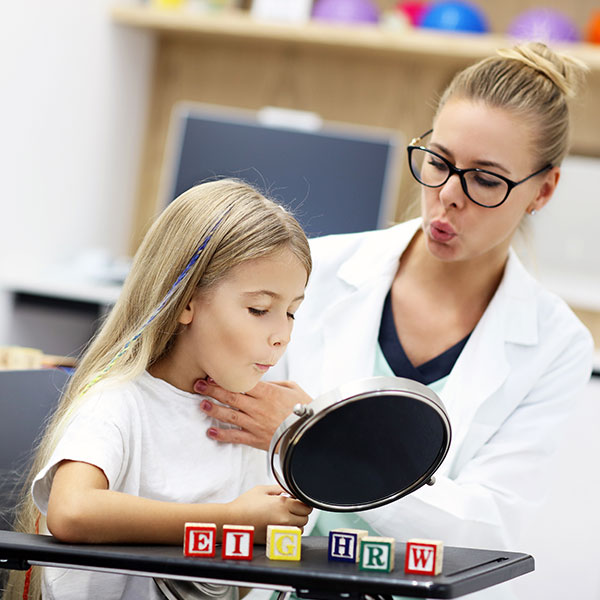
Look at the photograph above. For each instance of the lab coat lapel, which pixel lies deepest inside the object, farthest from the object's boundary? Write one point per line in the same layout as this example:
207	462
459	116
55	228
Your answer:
484	365
368	275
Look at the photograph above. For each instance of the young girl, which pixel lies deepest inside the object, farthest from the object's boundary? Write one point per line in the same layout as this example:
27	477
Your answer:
211	294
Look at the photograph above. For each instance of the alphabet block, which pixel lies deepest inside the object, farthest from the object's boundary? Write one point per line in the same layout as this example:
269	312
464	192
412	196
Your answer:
283	543
424	556
199	539
377	553
344	544
237	542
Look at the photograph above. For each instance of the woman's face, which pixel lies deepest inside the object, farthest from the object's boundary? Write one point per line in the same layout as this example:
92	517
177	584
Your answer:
470	135
235	331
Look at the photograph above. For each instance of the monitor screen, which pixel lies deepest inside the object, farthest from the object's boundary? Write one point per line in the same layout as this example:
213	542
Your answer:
335	178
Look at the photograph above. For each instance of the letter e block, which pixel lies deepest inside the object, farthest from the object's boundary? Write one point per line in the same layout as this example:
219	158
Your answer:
283	543
199	539
237	542
377	554
344	544
424	556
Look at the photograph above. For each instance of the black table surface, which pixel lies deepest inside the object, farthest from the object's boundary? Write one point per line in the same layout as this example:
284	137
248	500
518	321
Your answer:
465	570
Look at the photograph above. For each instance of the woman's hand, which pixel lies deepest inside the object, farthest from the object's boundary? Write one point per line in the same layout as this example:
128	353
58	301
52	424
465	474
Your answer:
255	414
268	505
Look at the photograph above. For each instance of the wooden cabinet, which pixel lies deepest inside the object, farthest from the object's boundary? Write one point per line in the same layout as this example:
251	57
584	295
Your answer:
359	74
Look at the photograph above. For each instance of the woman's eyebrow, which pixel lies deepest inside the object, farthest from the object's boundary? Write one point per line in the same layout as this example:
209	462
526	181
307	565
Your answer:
481	163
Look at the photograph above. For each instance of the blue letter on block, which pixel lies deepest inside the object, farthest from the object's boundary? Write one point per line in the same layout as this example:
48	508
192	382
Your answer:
343	546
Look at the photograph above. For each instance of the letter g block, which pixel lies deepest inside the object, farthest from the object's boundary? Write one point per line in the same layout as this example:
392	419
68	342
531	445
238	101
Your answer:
283	543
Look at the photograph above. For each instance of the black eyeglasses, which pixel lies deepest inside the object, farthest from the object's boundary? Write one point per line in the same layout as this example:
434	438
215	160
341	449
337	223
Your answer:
482	187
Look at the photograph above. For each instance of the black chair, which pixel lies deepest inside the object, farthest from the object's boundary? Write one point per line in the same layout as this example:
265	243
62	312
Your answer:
27	399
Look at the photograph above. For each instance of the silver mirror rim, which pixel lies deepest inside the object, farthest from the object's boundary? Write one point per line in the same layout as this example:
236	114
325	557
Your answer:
293	427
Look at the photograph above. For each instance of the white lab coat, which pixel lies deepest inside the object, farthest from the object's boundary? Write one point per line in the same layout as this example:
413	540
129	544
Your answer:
507	396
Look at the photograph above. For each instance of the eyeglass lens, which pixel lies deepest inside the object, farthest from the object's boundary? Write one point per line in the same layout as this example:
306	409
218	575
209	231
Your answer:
484	188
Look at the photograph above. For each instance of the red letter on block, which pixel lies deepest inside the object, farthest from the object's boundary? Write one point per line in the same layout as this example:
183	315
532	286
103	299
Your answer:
424	557
200	539
238	542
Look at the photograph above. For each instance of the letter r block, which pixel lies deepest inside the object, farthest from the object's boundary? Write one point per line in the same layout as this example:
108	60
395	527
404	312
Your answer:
237	543
376	554
344	544
199	539
424	557
283	543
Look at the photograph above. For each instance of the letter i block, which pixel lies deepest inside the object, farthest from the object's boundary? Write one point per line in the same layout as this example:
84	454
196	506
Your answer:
424	557
377	554
199	539
344	544
283	543
238	542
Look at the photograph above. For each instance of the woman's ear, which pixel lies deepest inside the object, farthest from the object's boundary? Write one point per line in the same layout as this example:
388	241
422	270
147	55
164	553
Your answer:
546	190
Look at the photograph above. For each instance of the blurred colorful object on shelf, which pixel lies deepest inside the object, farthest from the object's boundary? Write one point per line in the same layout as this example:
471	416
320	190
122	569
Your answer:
592	32
168	3
414	11
455	16
346	11
543	25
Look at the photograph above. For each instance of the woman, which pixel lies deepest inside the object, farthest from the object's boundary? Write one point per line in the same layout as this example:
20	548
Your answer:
443	299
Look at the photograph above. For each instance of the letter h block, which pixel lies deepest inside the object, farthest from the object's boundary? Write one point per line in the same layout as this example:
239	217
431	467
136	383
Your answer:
199	539
344	544
424	557
237	542
283	542
377	554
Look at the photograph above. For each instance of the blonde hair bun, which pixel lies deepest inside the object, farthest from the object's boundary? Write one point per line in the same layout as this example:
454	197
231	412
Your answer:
566	72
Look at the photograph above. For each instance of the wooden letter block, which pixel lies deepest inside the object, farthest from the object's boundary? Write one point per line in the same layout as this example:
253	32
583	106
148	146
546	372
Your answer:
424	557
283	543
344	544
377	553
238	542
199	539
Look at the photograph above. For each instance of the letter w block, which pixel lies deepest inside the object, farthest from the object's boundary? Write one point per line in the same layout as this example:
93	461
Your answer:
199	539
424	557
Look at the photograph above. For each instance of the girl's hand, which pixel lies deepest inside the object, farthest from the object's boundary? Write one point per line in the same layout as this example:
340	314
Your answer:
268	505
255	414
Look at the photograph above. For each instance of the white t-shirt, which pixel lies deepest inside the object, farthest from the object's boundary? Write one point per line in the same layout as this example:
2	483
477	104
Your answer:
149	438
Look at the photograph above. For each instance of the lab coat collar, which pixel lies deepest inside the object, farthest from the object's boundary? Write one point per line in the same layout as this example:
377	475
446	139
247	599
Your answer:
378	255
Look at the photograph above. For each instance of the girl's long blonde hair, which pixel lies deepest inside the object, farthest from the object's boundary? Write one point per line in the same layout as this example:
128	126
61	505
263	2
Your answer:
233	223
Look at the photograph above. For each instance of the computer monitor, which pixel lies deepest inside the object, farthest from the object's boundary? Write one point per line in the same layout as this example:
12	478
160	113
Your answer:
336	178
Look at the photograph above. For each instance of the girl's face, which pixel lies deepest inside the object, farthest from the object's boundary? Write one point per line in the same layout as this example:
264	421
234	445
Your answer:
235	331
474	135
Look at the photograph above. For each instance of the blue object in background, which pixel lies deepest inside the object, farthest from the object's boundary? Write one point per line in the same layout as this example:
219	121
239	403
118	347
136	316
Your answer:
346	11
455	16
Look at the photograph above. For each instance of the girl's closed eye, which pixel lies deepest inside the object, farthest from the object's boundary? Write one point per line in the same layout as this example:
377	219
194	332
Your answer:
258	312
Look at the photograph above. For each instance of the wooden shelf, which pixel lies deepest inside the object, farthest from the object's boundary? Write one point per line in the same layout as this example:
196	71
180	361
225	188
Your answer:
241	25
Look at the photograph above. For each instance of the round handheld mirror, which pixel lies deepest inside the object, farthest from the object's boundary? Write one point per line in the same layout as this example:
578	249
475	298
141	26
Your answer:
362	445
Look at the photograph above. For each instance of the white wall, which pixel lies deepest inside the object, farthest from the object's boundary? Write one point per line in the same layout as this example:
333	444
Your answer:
72	114
563	535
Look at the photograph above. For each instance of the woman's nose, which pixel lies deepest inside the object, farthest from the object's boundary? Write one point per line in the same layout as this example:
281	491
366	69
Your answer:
452	192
